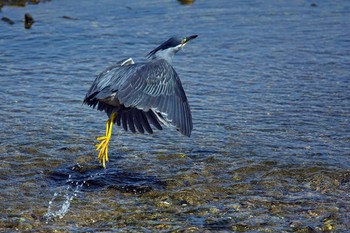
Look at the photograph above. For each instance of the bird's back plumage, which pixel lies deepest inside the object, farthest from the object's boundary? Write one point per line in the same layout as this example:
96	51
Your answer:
143	94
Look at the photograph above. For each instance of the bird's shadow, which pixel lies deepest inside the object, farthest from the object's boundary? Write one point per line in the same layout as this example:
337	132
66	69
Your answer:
94	178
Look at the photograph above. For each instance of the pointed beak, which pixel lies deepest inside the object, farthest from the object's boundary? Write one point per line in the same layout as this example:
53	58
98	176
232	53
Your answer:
187	39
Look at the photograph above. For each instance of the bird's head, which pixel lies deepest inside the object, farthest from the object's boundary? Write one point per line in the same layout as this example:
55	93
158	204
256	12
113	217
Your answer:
170	47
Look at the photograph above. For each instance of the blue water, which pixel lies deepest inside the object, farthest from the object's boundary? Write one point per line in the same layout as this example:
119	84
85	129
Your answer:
269	88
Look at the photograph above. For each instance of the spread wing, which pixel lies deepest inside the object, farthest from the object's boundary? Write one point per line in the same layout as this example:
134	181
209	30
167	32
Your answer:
108	81
156	86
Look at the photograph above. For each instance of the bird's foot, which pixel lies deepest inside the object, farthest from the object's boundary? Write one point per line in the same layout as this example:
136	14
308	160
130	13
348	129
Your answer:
103	145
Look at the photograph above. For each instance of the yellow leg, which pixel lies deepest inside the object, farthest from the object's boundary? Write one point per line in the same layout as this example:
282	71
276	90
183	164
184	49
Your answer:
103	146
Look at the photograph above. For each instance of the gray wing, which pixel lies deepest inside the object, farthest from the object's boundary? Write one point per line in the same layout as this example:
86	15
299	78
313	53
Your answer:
103	90
103	94
107	83
156	86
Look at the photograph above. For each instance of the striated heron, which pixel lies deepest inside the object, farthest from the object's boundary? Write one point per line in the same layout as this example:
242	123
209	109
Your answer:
138	95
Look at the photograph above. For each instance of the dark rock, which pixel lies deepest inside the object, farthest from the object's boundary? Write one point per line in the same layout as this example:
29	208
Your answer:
8	20
28	21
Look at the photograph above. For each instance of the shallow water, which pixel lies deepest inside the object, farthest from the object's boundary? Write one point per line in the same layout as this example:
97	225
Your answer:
269	88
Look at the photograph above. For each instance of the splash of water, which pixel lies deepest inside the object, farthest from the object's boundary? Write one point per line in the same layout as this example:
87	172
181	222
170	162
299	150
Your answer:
61	200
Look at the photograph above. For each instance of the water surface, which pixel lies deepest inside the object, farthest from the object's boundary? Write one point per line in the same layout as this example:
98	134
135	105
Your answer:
268	84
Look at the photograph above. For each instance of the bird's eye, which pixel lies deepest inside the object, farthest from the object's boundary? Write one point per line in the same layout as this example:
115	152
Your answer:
183	40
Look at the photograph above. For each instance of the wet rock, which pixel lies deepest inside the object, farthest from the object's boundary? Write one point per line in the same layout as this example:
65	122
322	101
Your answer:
20	3
241	227
304	229
167	157
34	216
323	183
328	225
132	189
192	229
164	204
28	150
71	149
162	227
219	224
16	222
28	21
188	197
69	17
186	2
24	226
8	20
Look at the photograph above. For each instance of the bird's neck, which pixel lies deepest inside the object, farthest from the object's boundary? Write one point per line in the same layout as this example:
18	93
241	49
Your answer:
166	55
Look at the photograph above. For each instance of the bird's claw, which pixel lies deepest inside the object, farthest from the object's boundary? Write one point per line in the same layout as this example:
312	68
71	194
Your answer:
102	138
103	145
103	153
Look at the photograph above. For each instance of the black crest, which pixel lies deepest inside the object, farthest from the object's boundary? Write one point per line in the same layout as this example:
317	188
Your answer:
172	42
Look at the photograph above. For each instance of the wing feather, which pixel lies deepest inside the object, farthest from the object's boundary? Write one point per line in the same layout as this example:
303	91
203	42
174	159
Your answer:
124	120
179	109
145	123
138	121
117	120
131	122
152	118
157	86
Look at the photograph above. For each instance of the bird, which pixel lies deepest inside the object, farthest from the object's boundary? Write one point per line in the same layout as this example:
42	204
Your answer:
142	96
